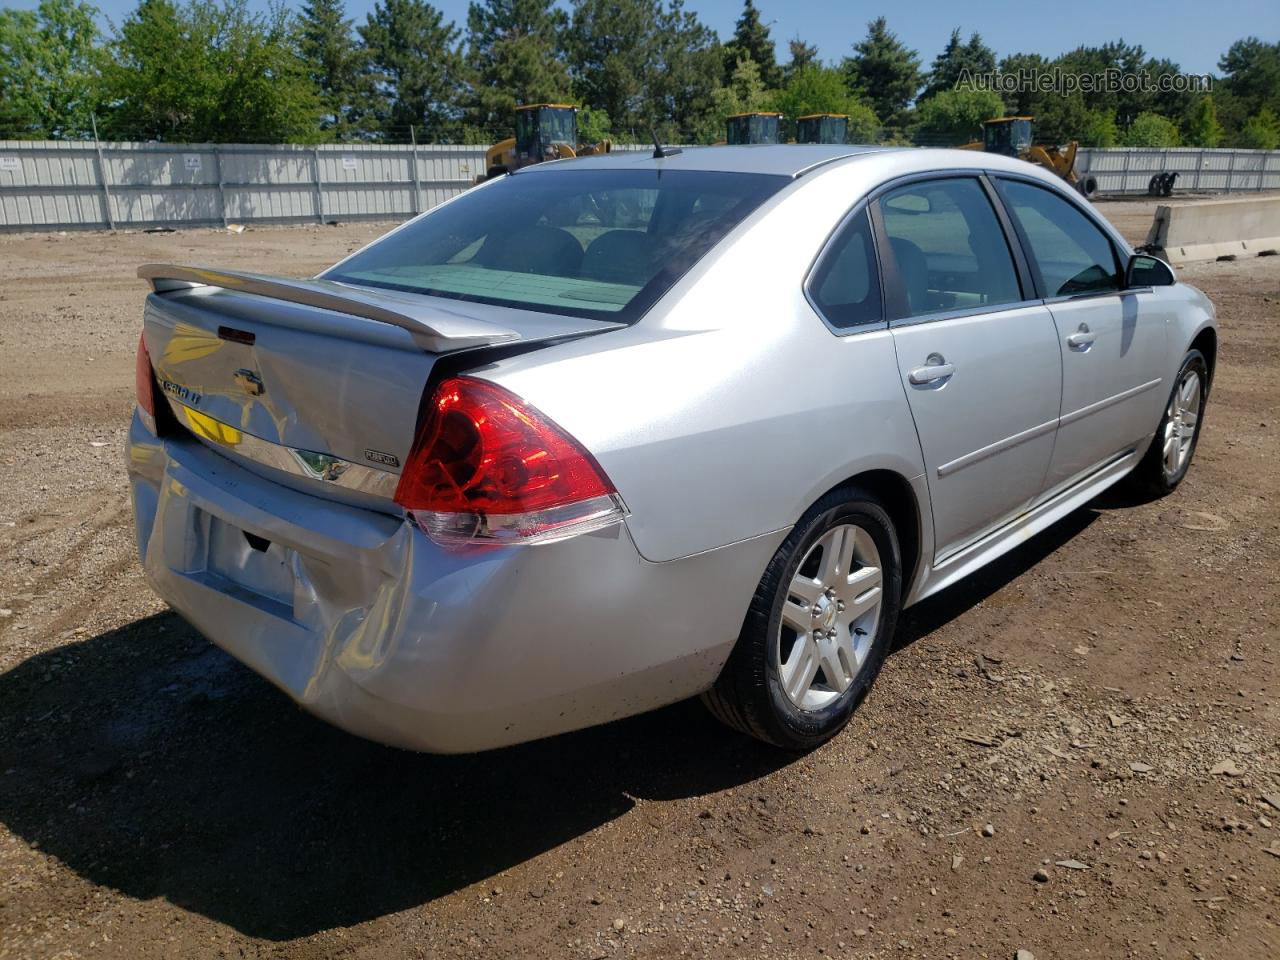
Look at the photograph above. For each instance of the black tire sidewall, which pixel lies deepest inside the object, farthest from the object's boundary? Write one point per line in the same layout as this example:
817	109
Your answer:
793	726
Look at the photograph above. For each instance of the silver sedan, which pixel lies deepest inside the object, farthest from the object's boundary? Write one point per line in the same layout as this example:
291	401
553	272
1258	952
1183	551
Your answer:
613	432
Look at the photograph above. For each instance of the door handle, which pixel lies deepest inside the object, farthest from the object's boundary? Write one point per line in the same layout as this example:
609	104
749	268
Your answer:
1082	339
935	368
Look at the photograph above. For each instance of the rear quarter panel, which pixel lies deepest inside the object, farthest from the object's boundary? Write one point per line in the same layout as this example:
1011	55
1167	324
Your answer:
730	407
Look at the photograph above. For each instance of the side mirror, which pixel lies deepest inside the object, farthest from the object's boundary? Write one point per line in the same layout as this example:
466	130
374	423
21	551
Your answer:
1148	271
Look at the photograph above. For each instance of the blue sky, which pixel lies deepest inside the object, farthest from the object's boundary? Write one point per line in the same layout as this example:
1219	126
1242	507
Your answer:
1193	34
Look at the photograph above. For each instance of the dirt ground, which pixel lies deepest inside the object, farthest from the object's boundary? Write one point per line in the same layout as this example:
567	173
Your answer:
1073	753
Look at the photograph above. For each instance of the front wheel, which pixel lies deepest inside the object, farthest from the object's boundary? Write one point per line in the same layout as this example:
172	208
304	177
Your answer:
818	627
1169	457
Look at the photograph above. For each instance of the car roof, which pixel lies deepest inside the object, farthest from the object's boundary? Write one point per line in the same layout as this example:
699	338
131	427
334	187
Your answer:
786	160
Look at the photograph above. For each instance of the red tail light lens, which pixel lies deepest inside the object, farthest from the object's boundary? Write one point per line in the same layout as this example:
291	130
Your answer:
144	385
488	467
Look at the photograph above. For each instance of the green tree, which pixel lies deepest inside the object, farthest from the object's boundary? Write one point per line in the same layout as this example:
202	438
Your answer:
49	70
208	72
1203	128
802	55
1058	118
418	66
339	69
1251	74
515	56
956	59
751	39
594	125
1150	130
954	117
744	93
818	89
1099	130
884	72
1261	131
646	66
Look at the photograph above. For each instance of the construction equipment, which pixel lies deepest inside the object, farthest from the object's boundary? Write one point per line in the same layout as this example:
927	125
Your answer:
822	128
1013	137
753	127
544	131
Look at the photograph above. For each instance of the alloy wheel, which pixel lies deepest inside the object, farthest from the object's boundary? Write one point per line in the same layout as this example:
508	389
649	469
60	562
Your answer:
830	616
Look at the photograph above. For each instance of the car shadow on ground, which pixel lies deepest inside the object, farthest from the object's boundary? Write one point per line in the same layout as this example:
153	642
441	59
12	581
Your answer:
150	762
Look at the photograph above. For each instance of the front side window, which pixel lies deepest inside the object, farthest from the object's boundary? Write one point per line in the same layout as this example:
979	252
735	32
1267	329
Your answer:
1072	254
949	248
846	285
592	243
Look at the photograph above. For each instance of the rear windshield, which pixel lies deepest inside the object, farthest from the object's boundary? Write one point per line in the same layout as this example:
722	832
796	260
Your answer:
590	243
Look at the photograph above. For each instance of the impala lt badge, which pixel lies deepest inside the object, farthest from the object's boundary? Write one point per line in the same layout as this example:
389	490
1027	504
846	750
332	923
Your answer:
250	382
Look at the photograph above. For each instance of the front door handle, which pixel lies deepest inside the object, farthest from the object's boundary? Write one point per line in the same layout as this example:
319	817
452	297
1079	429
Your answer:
1082	339
935	368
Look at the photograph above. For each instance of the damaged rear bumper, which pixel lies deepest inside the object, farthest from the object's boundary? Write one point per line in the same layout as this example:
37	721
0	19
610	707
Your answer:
370	625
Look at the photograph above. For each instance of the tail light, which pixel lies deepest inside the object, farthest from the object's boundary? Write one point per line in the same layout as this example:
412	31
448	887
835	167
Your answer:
144	385
486	467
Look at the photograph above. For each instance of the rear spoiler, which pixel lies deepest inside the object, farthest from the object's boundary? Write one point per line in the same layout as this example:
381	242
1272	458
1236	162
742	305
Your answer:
434	328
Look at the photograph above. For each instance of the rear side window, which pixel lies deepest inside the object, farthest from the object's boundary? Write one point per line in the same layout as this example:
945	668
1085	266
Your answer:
1070	251
949	248
846	285
594	243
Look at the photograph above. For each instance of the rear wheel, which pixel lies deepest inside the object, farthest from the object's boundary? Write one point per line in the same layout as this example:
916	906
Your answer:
818	627
1169	457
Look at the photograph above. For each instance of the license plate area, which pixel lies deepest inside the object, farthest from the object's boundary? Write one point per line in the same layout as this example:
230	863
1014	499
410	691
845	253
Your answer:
247	561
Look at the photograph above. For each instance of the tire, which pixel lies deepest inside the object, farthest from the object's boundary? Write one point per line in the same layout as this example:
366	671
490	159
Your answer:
750	695
1158	473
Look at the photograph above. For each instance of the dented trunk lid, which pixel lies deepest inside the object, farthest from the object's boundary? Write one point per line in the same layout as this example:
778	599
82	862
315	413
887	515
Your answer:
314	383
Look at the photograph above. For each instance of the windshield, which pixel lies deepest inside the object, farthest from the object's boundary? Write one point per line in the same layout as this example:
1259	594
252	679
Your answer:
593	243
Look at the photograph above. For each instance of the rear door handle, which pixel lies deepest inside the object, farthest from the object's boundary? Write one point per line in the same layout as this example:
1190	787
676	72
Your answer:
1082	339
935	369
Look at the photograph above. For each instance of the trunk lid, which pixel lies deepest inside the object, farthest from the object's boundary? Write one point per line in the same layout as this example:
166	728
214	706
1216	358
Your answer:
314	383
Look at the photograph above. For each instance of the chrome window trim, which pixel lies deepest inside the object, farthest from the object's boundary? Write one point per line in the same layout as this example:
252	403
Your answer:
981	310
307	464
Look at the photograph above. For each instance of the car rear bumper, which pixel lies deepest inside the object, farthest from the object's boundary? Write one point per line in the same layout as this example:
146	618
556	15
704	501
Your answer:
368	624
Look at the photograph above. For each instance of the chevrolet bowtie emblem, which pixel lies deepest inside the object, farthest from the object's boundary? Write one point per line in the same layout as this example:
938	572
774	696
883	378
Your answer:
250	382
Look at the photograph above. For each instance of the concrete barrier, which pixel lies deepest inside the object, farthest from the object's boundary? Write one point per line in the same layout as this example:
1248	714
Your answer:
1216	229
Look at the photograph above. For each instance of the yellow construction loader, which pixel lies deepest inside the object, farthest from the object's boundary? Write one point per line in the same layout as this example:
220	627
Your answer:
1012	137
544	131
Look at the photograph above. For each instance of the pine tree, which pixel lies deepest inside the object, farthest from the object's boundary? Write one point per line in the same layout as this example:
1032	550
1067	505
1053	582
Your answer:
802	55
645	66
339	68
515	55
419	67
956	57
884	72
751	39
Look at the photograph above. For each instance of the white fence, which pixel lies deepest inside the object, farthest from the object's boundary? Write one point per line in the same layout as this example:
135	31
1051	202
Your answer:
1129	170
69	185
46	184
